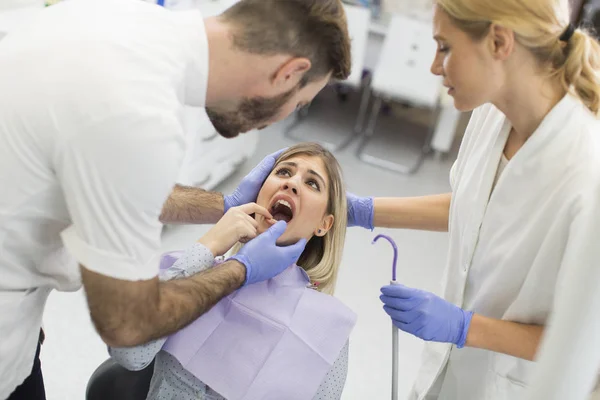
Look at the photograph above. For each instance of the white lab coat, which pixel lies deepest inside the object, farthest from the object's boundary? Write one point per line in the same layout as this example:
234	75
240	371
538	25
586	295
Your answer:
508	246
91	143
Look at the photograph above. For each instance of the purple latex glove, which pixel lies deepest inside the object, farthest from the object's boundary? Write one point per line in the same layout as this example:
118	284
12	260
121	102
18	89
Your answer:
262	257
360	211
248	189
426	315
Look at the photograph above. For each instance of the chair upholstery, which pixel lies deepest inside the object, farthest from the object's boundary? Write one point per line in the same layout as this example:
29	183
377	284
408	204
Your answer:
111	381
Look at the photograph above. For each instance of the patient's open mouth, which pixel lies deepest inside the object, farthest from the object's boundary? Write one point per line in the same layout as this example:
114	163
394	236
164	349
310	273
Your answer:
282	210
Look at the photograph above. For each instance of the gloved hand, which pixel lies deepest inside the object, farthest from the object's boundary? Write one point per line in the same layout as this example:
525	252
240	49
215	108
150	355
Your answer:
426	315
248	189
262	257
360	211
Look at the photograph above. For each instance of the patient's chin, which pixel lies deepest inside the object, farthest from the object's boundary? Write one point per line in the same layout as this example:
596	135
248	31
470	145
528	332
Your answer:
284	240
287	239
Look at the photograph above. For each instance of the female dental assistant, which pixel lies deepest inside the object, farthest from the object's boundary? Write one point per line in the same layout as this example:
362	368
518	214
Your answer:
525	194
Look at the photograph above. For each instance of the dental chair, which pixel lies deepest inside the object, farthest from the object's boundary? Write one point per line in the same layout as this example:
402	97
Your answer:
111	381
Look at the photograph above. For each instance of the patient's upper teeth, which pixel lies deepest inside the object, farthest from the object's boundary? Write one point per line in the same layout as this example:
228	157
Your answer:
284	203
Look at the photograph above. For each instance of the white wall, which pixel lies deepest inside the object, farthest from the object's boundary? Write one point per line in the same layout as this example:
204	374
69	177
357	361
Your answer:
11	4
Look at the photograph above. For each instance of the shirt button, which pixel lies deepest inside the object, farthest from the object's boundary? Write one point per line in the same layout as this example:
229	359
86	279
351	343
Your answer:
466	267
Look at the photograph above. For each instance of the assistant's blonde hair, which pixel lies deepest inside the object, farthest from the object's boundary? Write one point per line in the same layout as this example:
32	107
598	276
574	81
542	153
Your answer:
322	256
537	25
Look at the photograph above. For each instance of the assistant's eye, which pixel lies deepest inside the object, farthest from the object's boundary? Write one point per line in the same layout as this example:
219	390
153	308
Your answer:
442	48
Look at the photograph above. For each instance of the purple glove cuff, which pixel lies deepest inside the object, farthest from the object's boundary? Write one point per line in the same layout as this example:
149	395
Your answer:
362	212
467	316
246	263
227	203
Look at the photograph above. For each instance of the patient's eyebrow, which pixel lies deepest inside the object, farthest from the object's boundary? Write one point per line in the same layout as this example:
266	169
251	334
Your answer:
310	171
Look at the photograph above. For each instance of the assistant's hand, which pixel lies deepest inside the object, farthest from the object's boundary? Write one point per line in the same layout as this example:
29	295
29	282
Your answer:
248	189
360	211
262	257
426	315
236	226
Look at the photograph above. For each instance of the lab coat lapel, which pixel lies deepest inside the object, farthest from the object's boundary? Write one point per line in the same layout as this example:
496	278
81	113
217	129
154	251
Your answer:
551	129
550	133
476	201
517	193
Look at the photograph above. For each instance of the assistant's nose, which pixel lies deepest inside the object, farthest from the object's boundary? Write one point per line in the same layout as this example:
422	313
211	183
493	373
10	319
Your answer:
437	66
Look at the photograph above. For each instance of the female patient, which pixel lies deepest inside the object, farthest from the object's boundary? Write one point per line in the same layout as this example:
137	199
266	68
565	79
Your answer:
275	348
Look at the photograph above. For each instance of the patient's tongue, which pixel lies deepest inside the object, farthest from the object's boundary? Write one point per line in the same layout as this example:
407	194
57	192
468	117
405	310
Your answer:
281	217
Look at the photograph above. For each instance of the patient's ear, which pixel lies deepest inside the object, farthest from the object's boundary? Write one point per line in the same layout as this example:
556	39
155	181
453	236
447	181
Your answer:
325	226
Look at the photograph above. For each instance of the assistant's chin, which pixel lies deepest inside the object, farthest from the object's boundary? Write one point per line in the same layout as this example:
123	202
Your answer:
464	107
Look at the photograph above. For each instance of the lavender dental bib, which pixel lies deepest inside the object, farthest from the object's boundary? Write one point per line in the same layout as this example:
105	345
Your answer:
272	340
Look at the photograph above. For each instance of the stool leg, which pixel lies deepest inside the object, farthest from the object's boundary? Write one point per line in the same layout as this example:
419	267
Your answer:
364	104
362	113
370	129
386	164
299	116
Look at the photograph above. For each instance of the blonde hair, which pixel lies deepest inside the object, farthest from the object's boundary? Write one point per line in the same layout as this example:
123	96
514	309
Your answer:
322	256
538	25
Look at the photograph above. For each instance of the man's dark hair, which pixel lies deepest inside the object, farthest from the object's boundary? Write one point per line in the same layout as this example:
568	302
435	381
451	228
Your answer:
314	29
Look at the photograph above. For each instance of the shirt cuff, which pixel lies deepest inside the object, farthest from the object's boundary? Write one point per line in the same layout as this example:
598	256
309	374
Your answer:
195	259
103	262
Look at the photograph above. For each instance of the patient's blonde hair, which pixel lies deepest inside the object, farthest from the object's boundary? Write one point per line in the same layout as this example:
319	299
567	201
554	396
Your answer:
322	256
537	25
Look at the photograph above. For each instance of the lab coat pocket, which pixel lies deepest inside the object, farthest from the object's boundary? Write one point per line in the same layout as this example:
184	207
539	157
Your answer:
508	377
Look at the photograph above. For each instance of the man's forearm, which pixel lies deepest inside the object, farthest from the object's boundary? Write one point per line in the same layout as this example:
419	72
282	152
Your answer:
428	213
512	338
182	301
190	205
128	313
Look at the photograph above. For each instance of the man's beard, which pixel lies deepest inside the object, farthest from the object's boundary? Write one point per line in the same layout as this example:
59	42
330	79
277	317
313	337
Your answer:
251	114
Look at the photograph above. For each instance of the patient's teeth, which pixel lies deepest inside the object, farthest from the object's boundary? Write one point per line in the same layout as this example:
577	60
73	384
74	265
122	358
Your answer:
284	203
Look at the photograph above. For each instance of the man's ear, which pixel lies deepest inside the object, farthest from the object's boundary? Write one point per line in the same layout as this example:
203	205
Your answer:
291	72
325	226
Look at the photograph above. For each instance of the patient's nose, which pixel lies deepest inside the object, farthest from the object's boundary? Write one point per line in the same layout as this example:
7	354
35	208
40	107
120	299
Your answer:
290	186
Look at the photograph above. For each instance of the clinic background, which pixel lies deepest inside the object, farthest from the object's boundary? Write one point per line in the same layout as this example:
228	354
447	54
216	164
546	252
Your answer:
395	133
